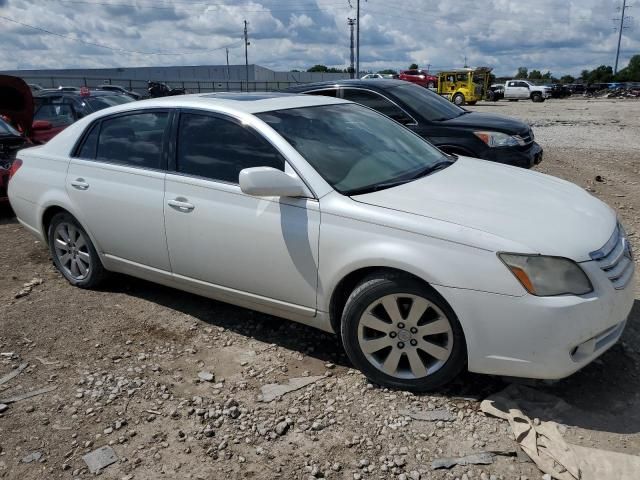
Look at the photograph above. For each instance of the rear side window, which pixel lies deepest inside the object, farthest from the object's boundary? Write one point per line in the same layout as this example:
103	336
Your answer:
217	148
330	92
377	102
135	140
88	148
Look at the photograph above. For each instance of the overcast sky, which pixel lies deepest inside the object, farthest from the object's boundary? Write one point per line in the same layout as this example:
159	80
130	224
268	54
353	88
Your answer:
564	36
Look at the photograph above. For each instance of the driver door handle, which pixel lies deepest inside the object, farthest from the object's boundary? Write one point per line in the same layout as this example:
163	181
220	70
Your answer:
181	204
79	184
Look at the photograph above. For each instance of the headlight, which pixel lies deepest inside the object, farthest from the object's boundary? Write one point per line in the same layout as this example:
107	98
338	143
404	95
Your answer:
547	276
499	139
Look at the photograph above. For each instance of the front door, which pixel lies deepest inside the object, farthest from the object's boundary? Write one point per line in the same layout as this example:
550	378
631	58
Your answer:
261	249
116	184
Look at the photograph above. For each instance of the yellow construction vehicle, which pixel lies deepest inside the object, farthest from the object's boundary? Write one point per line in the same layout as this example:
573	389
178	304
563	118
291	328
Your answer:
464	85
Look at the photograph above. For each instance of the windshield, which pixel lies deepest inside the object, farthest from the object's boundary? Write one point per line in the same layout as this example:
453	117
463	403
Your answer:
354	148
105	101
428	104
6	129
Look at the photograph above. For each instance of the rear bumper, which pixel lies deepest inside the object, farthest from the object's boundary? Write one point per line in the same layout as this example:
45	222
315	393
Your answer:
541	337
527	158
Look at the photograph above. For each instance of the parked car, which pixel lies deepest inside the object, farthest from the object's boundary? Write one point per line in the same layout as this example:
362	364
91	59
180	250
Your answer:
576	88
120	89
515	90
557	90
451	128
378	76
11	140
496	92
55	110
419	77
365	229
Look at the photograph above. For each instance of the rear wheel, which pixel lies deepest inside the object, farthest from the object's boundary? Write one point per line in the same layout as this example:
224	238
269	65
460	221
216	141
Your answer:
400	333
458	99
73	252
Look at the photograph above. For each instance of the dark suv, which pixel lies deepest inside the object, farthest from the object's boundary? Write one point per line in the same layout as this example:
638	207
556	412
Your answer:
447	126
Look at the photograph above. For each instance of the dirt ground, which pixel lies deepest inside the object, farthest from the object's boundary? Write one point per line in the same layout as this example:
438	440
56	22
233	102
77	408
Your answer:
125	362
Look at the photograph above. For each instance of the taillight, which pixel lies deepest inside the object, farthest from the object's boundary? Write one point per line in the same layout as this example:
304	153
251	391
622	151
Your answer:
17	163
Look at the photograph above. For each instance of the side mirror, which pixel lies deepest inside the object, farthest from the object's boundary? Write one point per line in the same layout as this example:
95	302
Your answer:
42	125
270	182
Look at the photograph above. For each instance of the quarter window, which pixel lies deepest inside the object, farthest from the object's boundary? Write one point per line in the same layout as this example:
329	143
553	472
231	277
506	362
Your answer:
135	140
377	102
216	148
88	149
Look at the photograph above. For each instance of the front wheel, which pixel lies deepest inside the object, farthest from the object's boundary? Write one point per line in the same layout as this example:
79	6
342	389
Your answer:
458	99
73	252
536	97
401	334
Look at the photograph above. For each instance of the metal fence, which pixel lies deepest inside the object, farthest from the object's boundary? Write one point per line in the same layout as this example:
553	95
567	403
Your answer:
140	86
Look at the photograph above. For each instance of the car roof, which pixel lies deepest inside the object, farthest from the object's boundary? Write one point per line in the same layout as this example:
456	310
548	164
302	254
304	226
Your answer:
251	102
380	84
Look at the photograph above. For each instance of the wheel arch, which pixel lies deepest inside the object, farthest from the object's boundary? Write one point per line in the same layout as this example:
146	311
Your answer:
348	282
50	210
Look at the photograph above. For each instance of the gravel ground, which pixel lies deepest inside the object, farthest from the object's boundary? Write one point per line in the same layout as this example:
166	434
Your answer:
172	382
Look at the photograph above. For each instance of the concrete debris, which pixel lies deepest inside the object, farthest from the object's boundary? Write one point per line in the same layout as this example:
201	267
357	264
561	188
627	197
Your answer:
483	458
206	376
28	287
100	459
543	442
429	415
15	372
24	396
272	391
32	457
3	407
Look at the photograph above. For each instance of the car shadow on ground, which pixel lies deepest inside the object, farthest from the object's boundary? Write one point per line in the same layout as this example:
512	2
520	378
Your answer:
594	398
6	214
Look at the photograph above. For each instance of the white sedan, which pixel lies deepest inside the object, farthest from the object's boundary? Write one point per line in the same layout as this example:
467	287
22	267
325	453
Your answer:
328	213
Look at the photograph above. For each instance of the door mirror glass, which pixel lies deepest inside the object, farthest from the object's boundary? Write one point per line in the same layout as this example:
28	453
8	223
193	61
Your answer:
270	182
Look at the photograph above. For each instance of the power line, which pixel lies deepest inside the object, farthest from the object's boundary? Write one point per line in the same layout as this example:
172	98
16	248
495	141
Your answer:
109	47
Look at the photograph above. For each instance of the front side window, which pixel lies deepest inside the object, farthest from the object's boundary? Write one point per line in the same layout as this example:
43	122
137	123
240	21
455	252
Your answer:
135	140
218	148
356	150
377	102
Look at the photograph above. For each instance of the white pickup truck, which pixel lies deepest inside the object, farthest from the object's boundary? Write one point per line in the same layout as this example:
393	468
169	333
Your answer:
523	90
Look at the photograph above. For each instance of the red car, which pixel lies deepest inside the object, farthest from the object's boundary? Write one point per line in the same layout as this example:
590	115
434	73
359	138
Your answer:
419	77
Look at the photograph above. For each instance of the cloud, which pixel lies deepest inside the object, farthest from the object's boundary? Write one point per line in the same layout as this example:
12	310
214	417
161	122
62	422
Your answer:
562	36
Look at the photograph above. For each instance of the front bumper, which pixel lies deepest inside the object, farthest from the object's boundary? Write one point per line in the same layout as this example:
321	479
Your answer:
525	157
541	337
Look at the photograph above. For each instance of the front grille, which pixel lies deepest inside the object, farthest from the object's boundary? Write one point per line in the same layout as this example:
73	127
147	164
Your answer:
616	259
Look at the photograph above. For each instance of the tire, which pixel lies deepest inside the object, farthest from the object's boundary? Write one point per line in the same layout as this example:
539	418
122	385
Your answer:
458	99
537	98
73	253
396	356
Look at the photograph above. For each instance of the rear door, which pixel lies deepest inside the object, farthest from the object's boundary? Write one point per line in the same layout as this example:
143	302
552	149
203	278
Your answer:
378	102
116	184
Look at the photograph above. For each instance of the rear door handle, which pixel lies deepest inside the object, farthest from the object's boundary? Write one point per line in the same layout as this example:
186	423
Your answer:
181	204
80	184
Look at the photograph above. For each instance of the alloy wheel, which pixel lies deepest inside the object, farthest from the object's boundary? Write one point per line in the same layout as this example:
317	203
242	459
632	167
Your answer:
405	336
72	251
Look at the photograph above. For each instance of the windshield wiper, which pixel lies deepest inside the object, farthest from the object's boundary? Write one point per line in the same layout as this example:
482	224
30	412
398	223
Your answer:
432	168
382	186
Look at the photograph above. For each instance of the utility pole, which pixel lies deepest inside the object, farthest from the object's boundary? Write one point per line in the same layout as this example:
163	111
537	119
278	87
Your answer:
351	22
246	53
228	64
358	39
622	27
428	68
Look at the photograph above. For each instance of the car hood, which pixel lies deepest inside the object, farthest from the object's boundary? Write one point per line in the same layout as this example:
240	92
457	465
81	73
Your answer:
488	121
540	213
16	102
